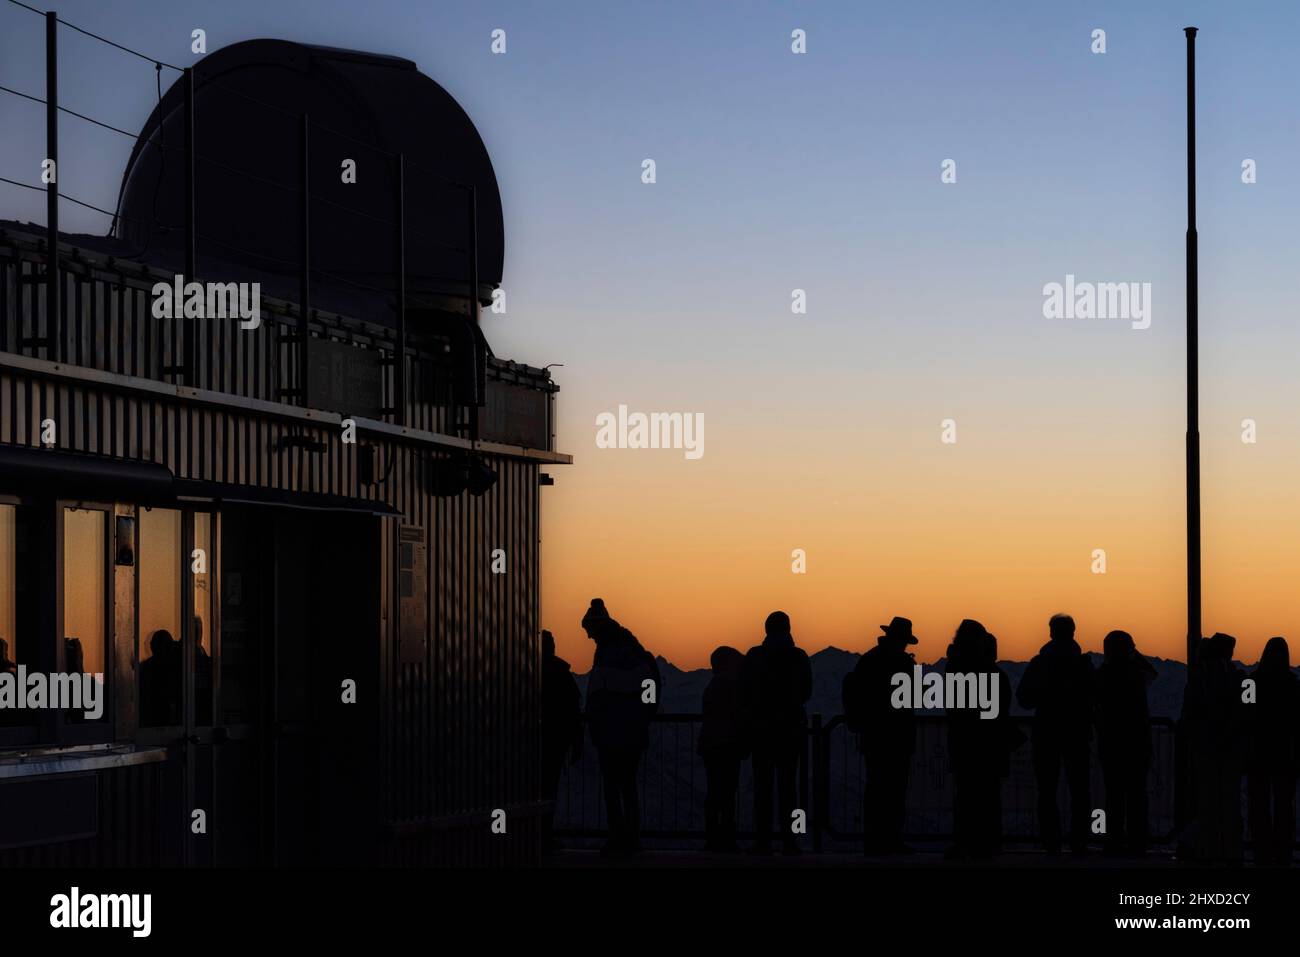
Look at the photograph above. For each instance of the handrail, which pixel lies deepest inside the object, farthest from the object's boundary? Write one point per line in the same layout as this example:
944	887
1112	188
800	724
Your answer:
815	781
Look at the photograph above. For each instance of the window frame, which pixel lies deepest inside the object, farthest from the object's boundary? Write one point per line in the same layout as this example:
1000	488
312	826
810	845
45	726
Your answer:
103	731
28	736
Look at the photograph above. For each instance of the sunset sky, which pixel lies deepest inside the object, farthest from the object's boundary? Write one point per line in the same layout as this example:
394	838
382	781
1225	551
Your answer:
821	172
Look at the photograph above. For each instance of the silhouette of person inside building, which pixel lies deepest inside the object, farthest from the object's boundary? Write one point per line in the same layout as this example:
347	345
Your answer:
74	663
8	716
886	735
1213	722
561	726
723	745
622	696
978	746
776	682
202	677
1274	725
1058	687
160	704
1124	743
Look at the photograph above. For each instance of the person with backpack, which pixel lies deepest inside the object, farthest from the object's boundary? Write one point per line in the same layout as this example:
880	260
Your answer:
623	691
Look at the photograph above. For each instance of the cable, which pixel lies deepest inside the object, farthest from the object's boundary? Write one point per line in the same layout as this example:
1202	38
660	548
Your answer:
25	96
96	36
142	56
25	7
252	99
14	182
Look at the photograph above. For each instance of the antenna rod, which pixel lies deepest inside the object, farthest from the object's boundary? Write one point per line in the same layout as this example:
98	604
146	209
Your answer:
1193	371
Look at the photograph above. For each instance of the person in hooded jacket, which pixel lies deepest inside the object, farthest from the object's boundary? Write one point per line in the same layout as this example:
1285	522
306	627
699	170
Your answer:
561	725
723	745
1272	754
1213	722
977	746
776	682
1124	742
623	691
886	735
1058	687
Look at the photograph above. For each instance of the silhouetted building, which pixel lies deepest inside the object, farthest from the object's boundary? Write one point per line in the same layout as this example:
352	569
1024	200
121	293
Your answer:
303	551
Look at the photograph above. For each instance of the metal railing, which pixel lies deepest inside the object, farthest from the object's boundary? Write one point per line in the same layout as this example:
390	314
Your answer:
830	786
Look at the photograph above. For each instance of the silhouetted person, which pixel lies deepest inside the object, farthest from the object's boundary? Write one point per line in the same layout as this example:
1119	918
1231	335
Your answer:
202	677
561	726
723	745
977	745
886	735
1057	686
1212	720
776	682
622	695
74	658
8	716
160	682
1010	736
1124	742
74	663
1274	722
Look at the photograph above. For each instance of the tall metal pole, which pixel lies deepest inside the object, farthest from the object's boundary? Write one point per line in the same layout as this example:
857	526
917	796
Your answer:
1193	370
53	278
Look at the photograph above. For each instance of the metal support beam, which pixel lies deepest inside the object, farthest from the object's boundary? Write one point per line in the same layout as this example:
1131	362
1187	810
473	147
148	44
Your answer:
304	295
399	357
54	278
480	360
191	266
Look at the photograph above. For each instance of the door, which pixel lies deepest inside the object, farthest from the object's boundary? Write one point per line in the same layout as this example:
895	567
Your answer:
326	691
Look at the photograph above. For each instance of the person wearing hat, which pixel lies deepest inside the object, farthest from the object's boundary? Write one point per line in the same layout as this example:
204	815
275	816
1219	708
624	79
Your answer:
886	736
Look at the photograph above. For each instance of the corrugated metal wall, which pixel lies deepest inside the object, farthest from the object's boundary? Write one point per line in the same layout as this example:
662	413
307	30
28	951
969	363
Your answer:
459	729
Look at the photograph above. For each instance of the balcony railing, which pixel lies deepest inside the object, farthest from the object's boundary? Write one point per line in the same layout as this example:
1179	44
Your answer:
830	783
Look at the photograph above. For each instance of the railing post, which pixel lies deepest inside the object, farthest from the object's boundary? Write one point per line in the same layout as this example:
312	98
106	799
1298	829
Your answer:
304	295
815	812
53	276
399	357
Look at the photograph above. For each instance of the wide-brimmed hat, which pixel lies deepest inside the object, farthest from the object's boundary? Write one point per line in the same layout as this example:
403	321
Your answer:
900	628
